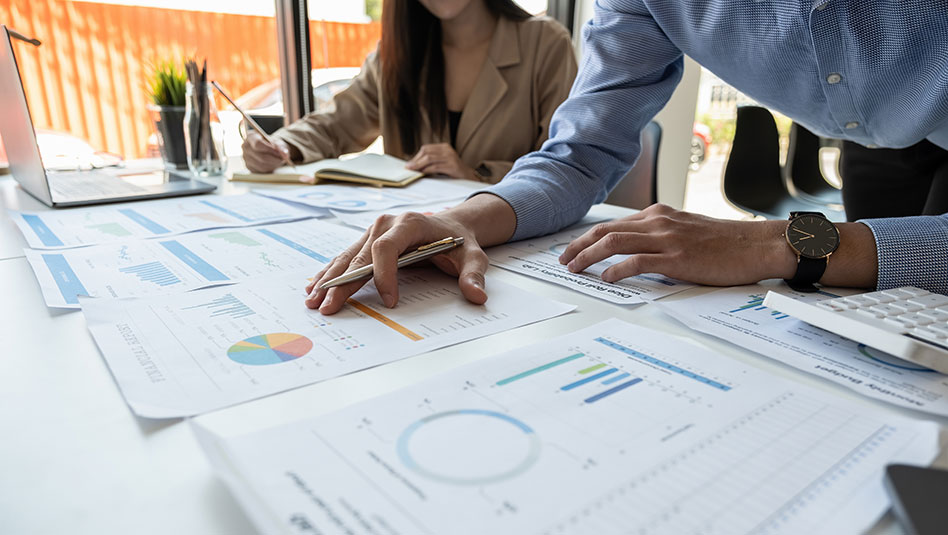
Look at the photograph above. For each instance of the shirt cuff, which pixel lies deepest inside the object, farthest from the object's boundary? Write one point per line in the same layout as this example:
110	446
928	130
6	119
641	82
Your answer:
530	204
912	251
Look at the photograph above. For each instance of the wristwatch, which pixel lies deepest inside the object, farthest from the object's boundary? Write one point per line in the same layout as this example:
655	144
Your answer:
813	238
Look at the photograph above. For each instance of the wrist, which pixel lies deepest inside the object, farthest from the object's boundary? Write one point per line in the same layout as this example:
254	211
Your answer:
487	217
779	259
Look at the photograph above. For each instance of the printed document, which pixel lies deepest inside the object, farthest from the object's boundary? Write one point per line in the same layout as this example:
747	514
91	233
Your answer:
539	258
196	260
738	316
614	429
189	353
369	198
364	220
76	227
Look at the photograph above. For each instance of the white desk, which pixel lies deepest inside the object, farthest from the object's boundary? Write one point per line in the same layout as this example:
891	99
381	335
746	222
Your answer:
75	460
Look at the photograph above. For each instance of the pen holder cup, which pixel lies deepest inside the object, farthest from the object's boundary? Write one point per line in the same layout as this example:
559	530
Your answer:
203	133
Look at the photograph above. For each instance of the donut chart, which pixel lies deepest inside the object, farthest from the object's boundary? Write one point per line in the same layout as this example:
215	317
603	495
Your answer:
267	349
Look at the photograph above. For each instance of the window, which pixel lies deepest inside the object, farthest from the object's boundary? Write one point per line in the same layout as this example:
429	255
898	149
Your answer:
86	84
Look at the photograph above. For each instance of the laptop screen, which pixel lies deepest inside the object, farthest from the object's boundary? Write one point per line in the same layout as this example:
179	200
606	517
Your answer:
16	128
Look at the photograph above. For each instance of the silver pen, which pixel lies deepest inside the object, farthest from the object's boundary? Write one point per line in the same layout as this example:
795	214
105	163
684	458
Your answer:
419	254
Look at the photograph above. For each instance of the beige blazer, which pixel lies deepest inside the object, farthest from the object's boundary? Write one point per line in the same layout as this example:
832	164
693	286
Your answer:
529	70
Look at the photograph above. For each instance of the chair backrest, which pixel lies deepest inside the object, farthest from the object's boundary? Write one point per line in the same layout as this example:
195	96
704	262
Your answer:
752	177
639	187
803	160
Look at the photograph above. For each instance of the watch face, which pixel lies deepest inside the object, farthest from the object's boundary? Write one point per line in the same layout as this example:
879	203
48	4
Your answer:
812	236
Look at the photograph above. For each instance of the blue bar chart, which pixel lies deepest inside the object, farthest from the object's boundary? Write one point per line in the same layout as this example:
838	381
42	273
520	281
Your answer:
153	272
663	364
585	378
225	305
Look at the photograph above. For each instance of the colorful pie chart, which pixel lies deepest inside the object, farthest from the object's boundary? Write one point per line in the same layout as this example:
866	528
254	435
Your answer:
266	349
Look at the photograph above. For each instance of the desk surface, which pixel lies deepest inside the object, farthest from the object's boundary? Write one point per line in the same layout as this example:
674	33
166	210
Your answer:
75	459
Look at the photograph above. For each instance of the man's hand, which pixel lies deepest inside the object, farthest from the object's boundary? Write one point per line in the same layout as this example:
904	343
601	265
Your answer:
685	246
440	159
716	252
384	242
260	156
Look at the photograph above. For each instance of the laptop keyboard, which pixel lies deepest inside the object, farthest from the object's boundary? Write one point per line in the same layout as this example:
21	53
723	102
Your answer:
89	185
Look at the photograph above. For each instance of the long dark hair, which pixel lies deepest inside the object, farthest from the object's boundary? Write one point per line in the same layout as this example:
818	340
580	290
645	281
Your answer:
413	64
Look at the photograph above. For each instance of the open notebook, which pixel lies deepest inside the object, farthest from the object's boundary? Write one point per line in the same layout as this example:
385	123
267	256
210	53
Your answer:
374	169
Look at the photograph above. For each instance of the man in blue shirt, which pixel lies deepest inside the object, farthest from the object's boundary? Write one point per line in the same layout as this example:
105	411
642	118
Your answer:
875	73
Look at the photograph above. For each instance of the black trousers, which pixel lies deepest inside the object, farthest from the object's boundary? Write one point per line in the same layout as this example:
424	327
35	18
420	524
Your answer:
894	182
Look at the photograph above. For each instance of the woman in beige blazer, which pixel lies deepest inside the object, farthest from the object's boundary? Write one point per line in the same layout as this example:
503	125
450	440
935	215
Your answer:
489	77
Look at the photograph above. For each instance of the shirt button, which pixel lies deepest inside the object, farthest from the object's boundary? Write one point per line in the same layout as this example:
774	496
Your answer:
822	6
834	78
852	124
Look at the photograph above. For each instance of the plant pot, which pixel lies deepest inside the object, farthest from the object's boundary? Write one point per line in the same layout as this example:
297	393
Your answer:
169	127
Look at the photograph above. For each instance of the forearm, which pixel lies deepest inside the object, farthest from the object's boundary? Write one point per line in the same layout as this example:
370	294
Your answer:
853	264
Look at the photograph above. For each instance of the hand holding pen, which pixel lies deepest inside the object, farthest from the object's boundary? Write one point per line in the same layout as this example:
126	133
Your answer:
392	239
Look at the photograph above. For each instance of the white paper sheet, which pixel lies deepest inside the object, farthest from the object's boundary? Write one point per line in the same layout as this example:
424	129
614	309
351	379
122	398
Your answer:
737	315
196	260
613	429
198	351
369	198
539	258
364	220
75	227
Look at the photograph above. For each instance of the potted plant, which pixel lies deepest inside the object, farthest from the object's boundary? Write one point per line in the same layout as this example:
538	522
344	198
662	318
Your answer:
166	90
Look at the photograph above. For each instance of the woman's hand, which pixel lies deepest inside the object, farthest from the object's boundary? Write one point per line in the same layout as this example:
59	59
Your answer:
440	159
686	246
260	156
381	245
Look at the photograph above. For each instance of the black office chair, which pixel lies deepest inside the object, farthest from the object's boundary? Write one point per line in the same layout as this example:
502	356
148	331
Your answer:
639	187
753	178
804	169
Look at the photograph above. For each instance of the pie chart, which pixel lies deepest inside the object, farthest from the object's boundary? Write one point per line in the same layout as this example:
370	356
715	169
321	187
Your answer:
266	349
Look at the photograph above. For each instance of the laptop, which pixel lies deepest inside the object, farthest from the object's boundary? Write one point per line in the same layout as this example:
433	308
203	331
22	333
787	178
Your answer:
70	188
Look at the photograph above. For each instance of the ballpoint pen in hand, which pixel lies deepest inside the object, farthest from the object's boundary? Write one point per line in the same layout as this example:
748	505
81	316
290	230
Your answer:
419	254
250	122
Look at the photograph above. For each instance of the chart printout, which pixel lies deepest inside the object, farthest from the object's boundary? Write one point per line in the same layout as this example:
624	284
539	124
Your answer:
613	429
189	353
364	220
76	227
539	258
196	260
368	198
738	316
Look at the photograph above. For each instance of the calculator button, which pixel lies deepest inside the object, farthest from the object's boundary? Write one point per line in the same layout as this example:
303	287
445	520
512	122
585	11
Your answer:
929	334
833	306
935	314
879	297
930	300
915	292
839	302
886	310
906	306
900	323
896	293
860	300
917	319
869	312
940	328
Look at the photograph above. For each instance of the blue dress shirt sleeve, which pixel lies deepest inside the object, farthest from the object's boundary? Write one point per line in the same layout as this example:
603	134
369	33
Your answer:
912	251
628	72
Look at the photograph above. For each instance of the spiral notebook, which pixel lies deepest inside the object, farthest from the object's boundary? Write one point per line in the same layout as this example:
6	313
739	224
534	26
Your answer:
374	169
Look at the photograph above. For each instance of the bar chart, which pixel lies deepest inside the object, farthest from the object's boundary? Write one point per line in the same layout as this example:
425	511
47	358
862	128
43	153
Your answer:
153	272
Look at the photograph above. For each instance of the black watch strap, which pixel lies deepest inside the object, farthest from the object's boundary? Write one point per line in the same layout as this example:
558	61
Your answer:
809	271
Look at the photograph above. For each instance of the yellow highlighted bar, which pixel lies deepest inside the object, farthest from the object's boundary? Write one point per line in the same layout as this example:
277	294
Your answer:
385	320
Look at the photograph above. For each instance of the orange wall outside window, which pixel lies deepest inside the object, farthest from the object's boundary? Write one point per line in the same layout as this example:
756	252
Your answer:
89	76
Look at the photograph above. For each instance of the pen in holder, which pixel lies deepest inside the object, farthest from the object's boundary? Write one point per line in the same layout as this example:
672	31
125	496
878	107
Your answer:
202	127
